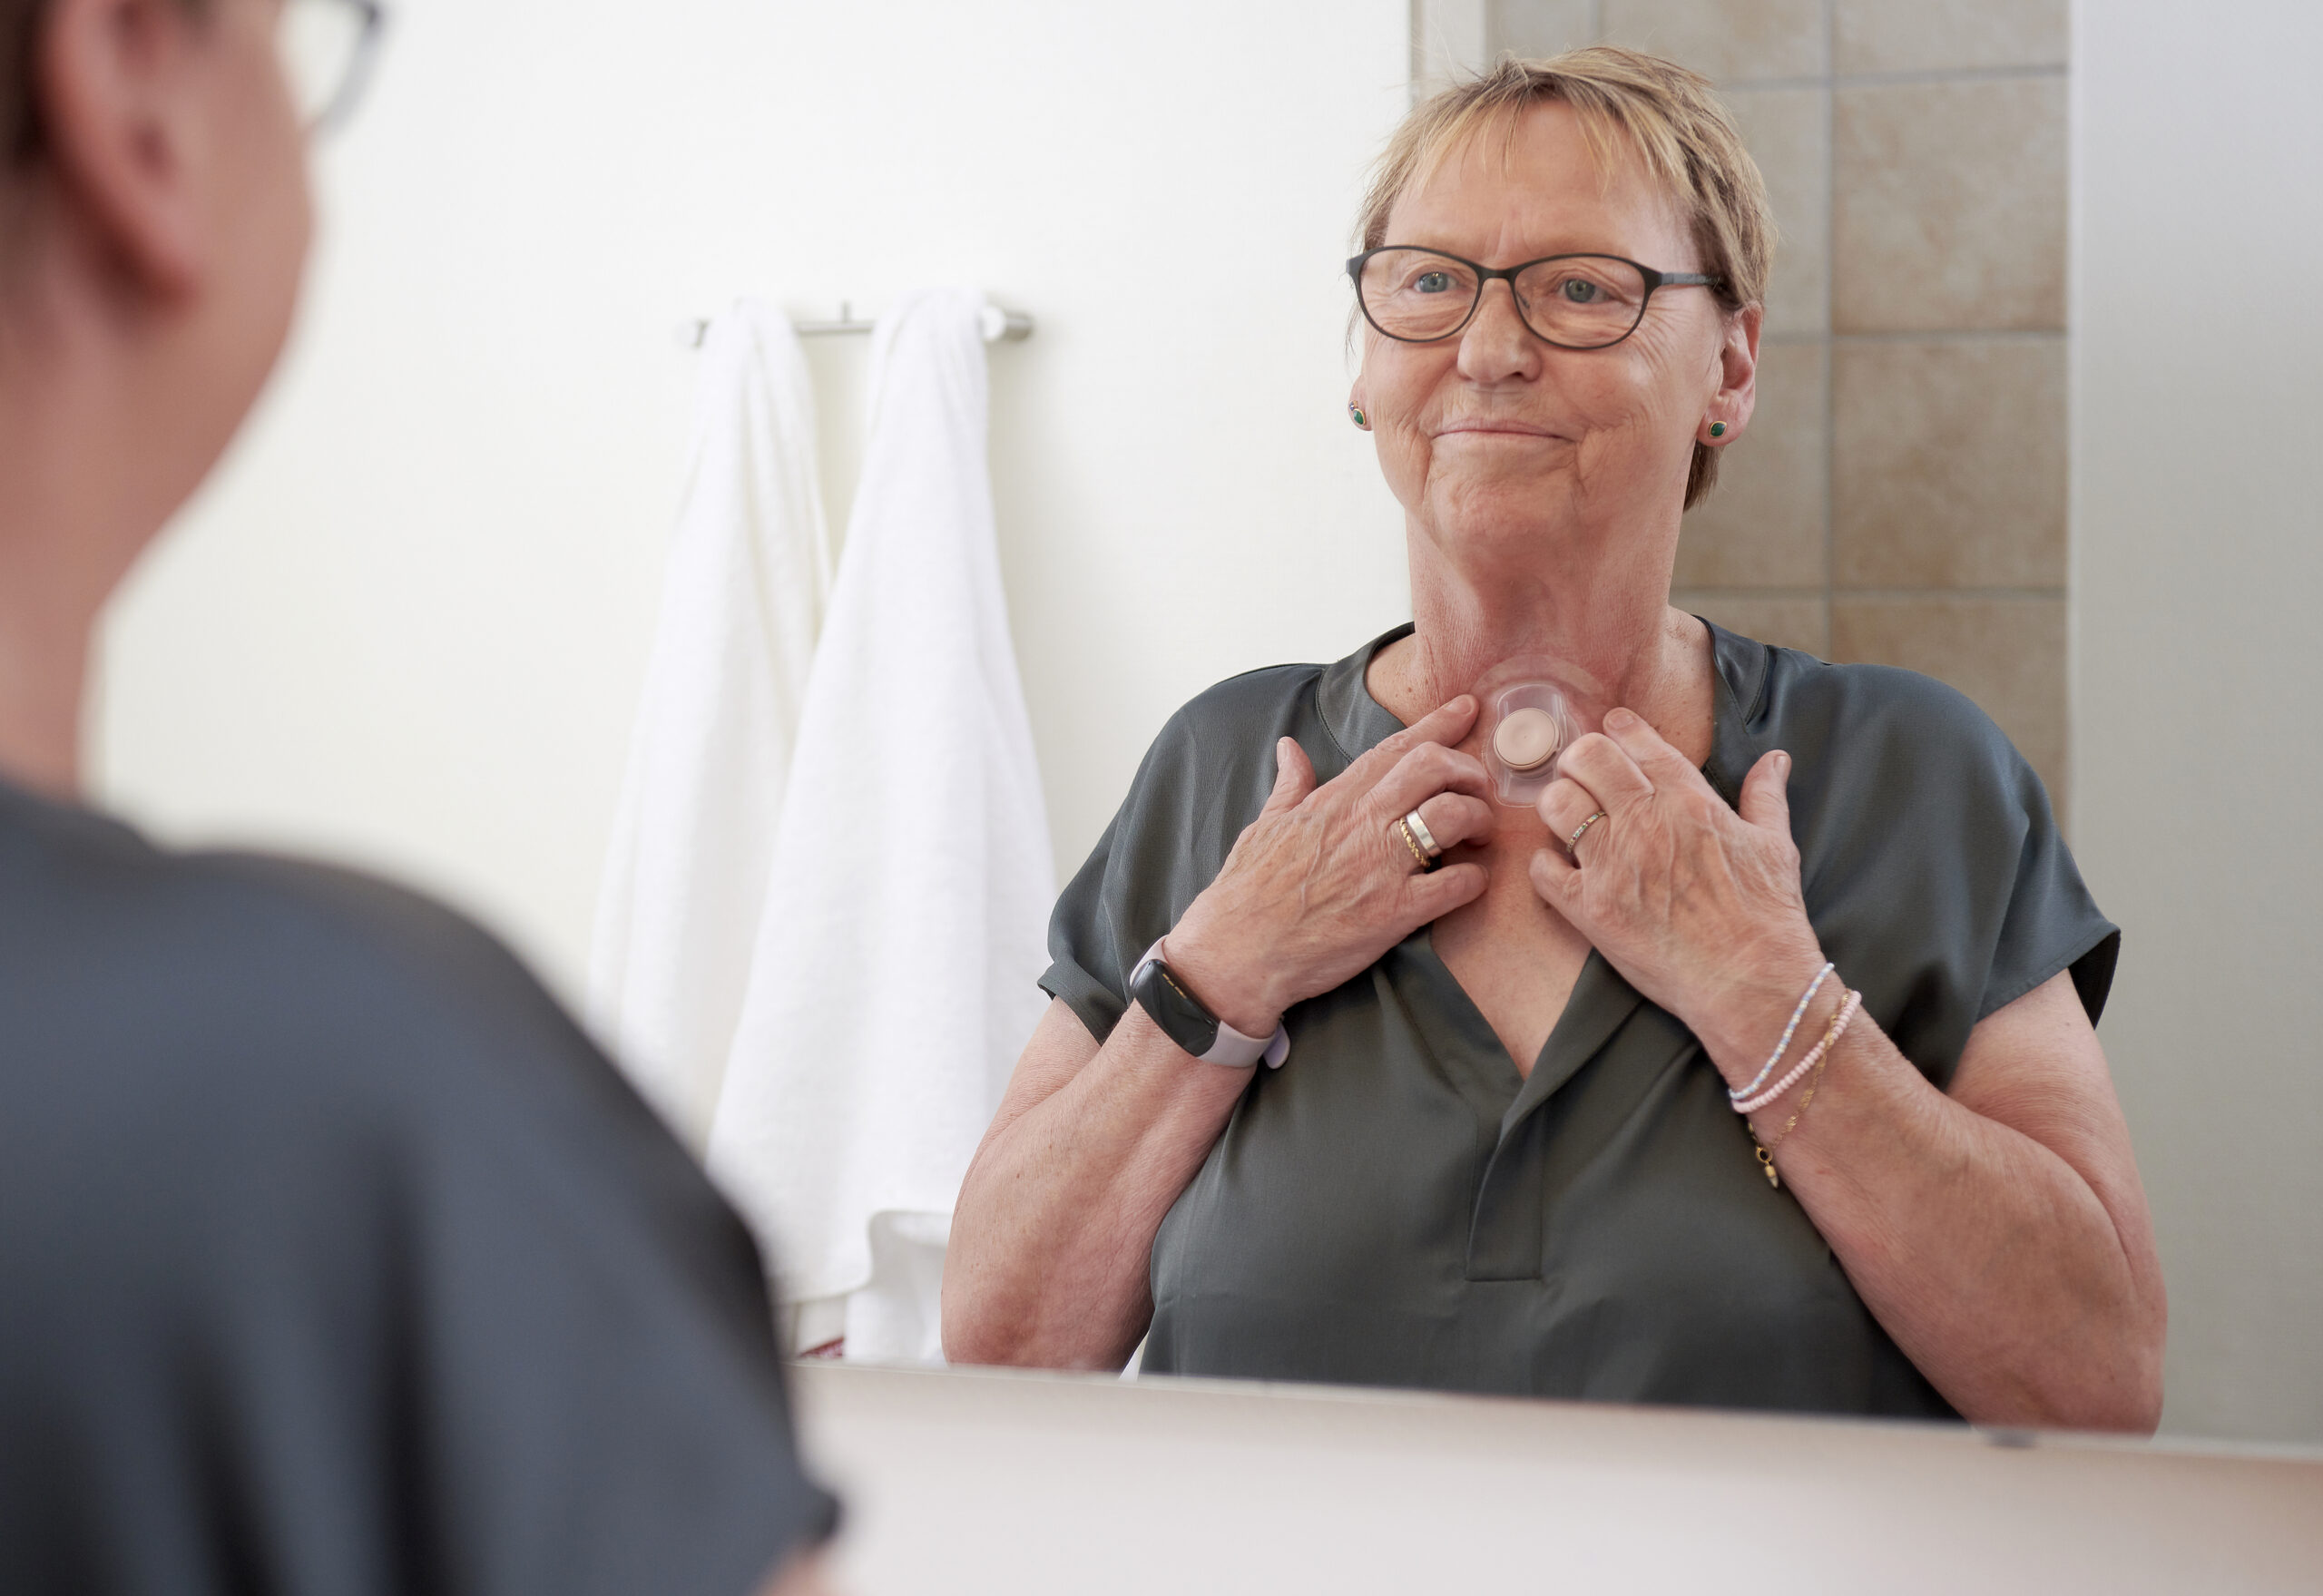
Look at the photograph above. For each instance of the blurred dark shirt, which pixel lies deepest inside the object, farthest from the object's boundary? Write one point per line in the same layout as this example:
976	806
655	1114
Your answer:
334	1257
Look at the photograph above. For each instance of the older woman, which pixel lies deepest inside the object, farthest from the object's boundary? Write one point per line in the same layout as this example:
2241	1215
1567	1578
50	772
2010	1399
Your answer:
1504	1152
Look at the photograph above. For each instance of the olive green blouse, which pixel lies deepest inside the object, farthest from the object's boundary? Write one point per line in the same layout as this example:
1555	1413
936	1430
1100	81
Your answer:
1398	1206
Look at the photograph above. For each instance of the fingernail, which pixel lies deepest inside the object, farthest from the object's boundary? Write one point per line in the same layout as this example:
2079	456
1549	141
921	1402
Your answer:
1620	719
1782	765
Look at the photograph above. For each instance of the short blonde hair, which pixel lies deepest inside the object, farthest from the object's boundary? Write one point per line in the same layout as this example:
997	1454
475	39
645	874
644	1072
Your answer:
1667	116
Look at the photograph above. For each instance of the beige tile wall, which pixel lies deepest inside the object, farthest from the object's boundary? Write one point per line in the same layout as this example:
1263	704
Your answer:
1900	495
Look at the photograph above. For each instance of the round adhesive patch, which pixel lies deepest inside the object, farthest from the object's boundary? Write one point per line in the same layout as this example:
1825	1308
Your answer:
1526	739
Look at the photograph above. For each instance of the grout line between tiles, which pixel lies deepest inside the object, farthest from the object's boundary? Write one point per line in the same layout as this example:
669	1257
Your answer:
1901	80
1956	334
1898	595
1781	594
2076	86
1795	339
1830	316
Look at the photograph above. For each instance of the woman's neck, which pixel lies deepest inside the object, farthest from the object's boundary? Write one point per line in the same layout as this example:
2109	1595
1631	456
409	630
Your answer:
46	621
1601	630
71	524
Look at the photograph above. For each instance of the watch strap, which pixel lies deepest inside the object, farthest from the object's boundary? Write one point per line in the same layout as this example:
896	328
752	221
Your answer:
1185	1020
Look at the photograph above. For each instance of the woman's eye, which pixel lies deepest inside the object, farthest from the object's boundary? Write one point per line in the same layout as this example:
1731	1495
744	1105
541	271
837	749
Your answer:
1580	290
1433	282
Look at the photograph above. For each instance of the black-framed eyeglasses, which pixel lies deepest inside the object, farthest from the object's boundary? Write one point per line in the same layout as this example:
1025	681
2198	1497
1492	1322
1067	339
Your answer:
327	48
1418	295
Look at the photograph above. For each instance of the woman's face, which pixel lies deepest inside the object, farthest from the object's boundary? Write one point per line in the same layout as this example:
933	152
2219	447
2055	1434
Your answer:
1492	437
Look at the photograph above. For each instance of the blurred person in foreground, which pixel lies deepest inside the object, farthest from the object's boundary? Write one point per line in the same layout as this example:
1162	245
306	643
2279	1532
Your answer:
333	1256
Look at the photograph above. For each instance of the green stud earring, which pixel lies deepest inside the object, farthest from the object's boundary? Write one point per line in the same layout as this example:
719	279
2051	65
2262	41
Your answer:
1354	414
1718	429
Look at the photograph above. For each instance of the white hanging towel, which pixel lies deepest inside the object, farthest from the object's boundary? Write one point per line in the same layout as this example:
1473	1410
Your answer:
749	575
895	981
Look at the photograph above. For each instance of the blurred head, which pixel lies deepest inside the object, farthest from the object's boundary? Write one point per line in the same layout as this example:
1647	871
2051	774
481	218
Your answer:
154	218
1493	431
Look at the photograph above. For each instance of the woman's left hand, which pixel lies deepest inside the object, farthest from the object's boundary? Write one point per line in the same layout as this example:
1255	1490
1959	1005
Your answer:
1697	906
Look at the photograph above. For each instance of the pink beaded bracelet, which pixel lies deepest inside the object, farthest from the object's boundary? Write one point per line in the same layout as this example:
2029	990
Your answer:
1783	1046
1815	1056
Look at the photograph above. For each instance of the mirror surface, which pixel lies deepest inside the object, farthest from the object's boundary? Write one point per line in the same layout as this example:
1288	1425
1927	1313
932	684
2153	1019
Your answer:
410	625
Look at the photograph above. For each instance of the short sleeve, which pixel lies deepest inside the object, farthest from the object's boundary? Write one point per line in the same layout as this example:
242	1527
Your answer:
1085	940
1205	777
2052	923
1930	858
1130	891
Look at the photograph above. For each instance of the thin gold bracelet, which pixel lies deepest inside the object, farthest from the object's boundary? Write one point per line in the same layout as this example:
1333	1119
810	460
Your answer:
1822	1055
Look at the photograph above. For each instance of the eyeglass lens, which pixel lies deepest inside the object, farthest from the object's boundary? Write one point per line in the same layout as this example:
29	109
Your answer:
1581	301
323	43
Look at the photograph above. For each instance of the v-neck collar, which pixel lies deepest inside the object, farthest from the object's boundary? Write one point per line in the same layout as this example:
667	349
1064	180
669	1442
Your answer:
1358	722
1601	1002
1738	693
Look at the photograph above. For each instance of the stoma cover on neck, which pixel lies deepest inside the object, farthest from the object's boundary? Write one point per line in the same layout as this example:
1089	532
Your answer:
1529	725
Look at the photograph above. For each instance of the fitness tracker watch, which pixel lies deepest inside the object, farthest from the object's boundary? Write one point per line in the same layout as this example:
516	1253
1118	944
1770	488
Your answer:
1184	1020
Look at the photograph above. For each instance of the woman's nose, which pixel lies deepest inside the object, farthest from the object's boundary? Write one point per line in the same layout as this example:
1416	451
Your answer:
1496	346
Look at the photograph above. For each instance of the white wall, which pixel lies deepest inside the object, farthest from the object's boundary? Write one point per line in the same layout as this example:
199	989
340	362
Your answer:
2198	549
408	625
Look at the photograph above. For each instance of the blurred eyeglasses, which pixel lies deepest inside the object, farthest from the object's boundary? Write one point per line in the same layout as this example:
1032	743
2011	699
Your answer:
327	48
1573	301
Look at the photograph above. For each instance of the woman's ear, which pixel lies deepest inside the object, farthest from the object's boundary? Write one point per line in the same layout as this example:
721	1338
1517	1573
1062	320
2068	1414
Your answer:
1737	395
124	130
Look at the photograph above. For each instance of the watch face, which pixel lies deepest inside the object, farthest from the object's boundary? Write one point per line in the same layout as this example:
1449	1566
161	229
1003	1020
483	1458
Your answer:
1182	1018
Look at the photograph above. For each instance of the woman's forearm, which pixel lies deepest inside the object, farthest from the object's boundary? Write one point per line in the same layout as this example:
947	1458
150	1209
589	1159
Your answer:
1987	1257
1998	1233
1999	1268
1054	1227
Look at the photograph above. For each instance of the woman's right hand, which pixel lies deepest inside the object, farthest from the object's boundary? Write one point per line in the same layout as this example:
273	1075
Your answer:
1321	884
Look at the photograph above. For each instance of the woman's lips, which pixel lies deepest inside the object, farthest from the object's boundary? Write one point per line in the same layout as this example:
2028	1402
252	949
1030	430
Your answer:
1502	428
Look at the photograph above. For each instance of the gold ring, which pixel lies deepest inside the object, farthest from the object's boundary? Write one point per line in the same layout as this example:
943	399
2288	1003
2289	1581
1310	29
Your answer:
1421	835
1572	843
1404	830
